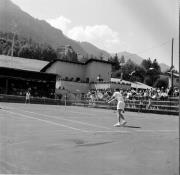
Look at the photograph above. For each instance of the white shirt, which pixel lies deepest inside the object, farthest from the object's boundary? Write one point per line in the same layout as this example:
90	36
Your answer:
27	95
118	96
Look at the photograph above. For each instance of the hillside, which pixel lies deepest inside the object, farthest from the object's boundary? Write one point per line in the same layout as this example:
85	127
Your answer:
91	49
135	58
13	19
164	67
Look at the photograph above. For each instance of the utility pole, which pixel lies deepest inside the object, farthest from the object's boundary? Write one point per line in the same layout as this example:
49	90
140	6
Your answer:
12	49
14	28
172	64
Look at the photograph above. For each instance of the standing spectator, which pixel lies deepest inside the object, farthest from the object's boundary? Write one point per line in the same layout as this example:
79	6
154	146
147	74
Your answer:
27	97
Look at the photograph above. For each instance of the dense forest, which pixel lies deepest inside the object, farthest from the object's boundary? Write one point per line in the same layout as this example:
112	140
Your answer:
26	48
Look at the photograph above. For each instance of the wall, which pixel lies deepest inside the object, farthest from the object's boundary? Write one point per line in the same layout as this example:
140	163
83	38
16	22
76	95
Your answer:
69	70
93	69
74	87
110	85
175	81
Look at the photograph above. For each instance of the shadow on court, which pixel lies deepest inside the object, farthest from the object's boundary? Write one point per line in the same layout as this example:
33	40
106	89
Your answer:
129	126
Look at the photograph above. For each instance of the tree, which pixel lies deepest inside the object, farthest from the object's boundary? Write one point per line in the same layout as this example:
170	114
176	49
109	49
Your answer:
152	71
25	52
115	63
139	74
156	66
146	64
161	82
153	75
127	69
84	59
122	59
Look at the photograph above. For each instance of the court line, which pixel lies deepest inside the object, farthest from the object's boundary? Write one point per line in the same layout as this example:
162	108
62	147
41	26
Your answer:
165	131
10	166
113	131
46	121
73	121
89	131
82	113
50	122
57	117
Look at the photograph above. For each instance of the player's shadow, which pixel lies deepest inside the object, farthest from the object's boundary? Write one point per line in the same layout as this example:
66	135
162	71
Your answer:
129	126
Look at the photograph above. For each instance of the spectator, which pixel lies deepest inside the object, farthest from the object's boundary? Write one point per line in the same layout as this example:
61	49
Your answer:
27	97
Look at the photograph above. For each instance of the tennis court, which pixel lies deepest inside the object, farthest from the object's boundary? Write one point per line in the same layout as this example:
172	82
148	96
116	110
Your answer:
52	139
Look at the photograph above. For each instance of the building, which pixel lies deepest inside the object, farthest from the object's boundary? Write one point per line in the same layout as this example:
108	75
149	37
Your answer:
17	75
44	78
63	50
80	72
128	84
175	79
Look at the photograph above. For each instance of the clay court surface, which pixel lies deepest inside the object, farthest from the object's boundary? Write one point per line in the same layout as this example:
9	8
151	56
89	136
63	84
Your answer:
45	139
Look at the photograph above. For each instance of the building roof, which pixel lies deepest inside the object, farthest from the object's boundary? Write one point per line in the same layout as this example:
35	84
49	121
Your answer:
96	60
71	62
174	74
133	84
22	63
139	85
26	74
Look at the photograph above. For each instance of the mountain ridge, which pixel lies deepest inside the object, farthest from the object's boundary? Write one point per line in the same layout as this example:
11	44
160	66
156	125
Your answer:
90	48
14	19
27	26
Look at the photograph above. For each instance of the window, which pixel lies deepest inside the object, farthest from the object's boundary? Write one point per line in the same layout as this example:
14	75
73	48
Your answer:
78	79
87	80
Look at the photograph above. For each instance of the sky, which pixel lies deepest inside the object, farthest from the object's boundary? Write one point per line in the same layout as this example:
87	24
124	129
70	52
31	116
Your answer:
142	27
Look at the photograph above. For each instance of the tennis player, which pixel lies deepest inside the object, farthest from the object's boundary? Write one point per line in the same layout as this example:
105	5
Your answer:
120	107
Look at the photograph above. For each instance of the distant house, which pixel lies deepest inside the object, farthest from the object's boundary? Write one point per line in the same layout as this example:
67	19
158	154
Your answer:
63	50
135	85
175	79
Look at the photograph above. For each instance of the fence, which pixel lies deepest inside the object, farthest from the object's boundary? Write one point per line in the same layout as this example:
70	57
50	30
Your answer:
170	107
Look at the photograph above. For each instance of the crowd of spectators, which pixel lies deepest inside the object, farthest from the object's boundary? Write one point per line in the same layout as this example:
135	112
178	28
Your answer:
160	94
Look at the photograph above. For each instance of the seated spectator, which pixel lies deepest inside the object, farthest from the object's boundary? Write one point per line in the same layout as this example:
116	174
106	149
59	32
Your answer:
129	95
176	92
155	96
163	96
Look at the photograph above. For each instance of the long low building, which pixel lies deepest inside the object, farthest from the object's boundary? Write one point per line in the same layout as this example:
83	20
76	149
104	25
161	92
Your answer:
91	71
17	75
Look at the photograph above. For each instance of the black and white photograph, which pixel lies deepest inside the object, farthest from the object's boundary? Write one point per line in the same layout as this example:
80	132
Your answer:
89	87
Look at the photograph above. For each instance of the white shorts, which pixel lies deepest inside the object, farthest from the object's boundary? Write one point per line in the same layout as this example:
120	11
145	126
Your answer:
120	105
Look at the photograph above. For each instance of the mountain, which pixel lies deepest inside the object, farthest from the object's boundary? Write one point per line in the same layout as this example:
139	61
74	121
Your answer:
164	67
13	19
91	49
135	58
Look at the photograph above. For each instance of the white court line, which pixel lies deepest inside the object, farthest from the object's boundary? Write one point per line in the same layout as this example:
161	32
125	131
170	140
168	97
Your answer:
13	166
50	122
111	131
155	131
74	121
165	131
46	121
17	143
76	112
